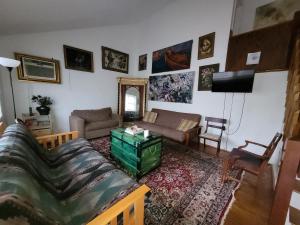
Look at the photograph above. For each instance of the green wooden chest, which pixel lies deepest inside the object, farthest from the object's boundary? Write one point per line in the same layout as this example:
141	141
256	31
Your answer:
138	155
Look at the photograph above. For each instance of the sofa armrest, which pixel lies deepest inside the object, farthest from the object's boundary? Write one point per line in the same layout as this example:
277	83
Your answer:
115	116
77	124
192	133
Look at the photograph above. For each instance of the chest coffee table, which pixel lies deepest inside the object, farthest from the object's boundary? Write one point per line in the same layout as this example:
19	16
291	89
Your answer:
136	154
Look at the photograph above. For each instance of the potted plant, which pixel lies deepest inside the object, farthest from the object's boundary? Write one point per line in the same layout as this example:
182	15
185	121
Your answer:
43	103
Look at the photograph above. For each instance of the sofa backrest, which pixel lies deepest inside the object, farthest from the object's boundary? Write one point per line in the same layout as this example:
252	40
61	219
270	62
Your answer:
172	119
93	115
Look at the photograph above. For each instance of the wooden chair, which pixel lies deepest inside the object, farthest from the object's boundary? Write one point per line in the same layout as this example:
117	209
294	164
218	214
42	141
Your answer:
216	123
239	158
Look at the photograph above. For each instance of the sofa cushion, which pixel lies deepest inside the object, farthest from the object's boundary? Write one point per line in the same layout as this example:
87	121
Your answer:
93	114
186	125
101	124
172	119
150	117
165	131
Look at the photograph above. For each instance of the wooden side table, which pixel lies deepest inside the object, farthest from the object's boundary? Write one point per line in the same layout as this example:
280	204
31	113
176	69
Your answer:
39	124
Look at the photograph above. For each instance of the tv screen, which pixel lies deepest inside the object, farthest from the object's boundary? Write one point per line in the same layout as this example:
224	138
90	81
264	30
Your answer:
240	81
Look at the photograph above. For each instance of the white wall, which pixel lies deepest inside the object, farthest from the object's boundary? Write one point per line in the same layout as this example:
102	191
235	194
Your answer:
185	20
79	90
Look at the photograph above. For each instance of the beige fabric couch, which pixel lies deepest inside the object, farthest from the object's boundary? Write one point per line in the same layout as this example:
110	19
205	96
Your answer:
93	123
167	122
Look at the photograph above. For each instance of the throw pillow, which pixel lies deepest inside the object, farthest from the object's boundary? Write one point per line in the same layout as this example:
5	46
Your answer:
150	117
185	125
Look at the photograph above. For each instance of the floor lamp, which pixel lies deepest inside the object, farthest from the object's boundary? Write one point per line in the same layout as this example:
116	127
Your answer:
9	64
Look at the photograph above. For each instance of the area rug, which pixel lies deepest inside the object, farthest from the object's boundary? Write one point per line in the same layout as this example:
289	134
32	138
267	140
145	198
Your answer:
186	189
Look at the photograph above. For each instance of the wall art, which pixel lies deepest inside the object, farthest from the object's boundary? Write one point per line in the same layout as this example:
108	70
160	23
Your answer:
114	60
78	59
205	76
35	68
275	12
206	46
172	87
142	62
177	57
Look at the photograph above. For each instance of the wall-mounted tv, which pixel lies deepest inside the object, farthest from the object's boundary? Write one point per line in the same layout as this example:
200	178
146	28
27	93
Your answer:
240	81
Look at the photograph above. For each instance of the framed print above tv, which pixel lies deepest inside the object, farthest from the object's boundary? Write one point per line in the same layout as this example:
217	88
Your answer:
114	60
35	68
78	59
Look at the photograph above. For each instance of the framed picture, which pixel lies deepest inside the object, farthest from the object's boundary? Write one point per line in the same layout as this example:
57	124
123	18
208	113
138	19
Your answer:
206	46
78	59
205	76
114	60
275	12
176	87
35	68
176	57
142	62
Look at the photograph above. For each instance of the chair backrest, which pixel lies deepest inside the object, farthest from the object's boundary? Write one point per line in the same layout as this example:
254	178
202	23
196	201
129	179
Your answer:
217	123
272	146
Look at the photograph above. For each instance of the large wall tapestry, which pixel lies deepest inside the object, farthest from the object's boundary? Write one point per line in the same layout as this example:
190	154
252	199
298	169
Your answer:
275	12
176	57
172	87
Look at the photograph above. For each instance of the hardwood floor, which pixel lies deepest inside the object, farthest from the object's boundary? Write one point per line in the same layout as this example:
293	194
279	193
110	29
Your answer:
253	198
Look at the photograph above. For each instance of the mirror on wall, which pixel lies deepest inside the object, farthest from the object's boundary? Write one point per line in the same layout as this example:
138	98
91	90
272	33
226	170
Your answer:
132	103
132	96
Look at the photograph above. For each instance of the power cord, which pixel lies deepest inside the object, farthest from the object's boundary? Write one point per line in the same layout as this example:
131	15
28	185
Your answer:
228	133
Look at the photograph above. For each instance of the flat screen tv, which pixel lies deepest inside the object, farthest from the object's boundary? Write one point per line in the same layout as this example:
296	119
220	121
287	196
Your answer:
240	81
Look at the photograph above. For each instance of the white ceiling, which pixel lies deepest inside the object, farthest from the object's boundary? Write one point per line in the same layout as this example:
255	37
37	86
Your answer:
27	16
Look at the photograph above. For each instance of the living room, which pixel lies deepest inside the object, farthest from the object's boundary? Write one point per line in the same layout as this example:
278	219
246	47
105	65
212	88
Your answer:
46	29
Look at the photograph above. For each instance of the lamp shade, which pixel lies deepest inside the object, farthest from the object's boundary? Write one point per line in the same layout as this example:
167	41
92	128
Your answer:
6	62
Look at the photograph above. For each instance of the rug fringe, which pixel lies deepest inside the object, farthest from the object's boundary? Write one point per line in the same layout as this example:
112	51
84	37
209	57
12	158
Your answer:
232	200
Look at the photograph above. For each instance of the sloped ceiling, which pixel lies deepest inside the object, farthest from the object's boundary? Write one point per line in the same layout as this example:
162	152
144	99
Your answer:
27	16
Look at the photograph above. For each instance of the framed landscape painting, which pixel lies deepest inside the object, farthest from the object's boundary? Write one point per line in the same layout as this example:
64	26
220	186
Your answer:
78	59
35	68
176	57
206	46
172	87
114	60
142	62
205	76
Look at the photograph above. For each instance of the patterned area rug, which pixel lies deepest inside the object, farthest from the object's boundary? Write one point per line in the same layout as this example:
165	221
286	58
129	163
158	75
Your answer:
185	189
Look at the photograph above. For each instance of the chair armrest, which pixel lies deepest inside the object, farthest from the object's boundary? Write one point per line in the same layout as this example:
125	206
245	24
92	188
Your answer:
53	140
253	154
253	143
77	124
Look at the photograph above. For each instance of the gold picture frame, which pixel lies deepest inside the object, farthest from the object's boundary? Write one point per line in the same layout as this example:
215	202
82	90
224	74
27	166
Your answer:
78	59
206	46
114	60
39	69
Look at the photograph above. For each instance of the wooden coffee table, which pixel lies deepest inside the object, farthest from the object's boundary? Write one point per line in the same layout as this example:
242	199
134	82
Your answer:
136	154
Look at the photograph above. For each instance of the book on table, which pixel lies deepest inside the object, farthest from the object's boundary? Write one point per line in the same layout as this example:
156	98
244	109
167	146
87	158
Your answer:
133	130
